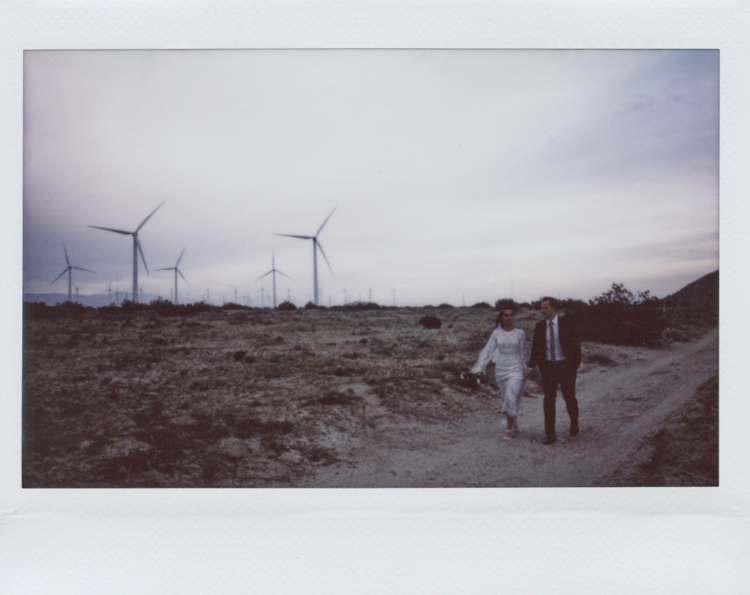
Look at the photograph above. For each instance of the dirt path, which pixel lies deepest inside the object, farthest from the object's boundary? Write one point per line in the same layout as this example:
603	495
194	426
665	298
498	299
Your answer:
619	407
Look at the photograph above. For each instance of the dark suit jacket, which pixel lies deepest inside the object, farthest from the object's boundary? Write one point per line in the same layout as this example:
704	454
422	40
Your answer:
569	341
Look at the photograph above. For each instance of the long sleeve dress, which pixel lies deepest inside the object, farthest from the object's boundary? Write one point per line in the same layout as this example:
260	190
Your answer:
507	349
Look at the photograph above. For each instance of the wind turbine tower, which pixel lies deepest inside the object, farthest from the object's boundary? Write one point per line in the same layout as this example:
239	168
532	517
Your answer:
136	248
273	272
177	271
316	246
69	270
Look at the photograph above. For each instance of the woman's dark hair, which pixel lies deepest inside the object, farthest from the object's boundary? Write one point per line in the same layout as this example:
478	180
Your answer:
499	319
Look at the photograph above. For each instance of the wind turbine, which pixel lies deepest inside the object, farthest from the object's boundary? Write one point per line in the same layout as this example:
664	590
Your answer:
316	246
136	248
236	289
273	272
69	270
176	272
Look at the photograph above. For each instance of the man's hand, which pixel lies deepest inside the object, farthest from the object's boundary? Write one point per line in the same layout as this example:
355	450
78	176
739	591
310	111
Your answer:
527	372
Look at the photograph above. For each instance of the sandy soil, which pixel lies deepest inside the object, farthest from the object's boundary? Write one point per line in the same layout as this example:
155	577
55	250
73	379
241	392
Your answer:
324	399
619	407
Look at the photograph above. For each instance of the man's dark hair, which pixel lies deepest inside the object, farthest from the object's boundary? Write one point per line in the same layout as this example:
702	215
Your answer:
552	302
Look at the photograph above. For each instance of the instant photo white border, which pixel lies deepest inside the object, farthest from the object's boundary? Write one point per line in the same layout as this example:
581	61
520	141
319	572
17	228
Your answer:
382	541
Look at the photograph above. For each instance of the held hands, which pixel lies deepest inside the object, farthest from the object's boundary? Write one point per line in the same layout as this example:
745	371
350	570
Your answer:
527	372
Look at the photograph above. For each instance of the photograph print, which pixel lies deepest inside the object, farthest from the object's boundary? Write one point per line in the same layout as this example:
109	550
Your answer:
370	268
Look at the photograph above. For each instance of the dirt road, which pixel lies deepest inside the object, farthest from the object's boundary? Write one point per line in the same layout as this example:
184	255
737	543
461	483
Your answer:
620	405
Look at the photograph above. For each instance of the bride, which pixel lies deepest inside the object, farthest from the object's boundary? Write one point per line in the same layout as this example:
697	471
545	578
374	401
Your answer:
507	349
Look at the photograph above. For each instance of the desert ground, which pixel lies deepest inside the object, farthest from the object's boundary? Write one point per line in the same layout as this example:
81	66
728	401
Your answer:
333	398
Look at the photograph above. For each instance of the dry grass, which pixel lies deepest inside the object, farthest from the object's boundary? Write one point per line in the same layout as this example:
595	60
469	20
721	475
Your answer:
231	398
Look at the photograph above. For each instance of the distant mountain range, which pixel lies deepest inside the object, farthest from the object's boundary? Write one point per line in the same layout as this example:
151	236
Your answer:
701	293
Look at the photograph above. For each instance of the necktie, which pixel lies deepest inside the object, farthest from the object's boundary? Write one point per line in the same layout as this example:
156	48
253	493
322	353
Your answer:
553	355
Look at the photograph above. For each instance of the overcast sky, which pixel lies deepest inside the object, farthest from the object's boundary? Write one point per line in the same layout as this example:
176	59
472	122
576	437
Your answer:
457	176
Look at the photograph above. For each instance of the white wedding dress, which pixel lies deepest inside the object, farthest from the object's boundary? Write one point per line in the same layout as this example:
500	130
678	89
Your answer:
507	349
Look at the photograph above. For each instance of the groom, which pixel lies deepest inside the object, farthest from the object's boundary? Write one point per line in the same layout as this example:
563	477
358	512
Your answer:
557	349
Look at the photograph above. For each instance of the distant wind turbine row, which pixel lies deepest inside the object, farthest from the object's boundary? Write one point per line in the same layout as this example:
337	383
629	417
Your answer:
273	272
177	271
138	249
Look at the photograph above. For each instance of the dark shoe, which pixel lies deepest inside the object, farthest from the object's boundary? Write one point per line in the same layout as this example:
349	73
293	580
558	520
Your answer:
574	430
549	440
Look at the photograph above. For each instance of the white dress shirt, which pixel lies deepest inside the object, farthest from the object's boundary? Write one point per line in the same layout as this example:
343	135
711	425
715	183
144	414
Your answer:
559	356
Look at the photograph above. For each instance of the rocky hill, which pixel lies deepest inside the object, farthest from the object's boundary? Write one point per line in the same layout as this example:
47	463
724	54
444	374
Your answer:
701	293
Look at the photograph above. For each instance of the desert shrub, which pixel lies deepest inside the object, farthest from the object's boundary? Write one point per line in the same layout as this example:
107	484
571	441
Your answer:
164	307
132	306
432	322
481	305
356	307
618	317
311	306
239	355
38	310
34	310
445	306
286	306
233	306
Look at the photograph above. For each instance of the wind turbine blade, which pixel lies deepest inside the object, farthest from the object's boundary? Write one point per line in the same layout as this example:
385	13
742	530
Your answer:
183	276
326	221
266	275
286	235
140	250
167	269
127	233
180	258
66	254
318	244
137	229
282	274
80	269
60	275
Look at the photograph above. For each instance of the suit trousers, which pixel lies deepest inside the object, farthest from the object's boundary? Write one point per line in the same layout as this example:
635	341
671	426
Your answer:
561	373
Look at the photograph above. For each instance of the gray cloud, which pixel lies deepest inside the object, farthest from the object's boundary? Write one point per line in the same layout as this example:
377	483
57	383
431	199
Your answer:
451	169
